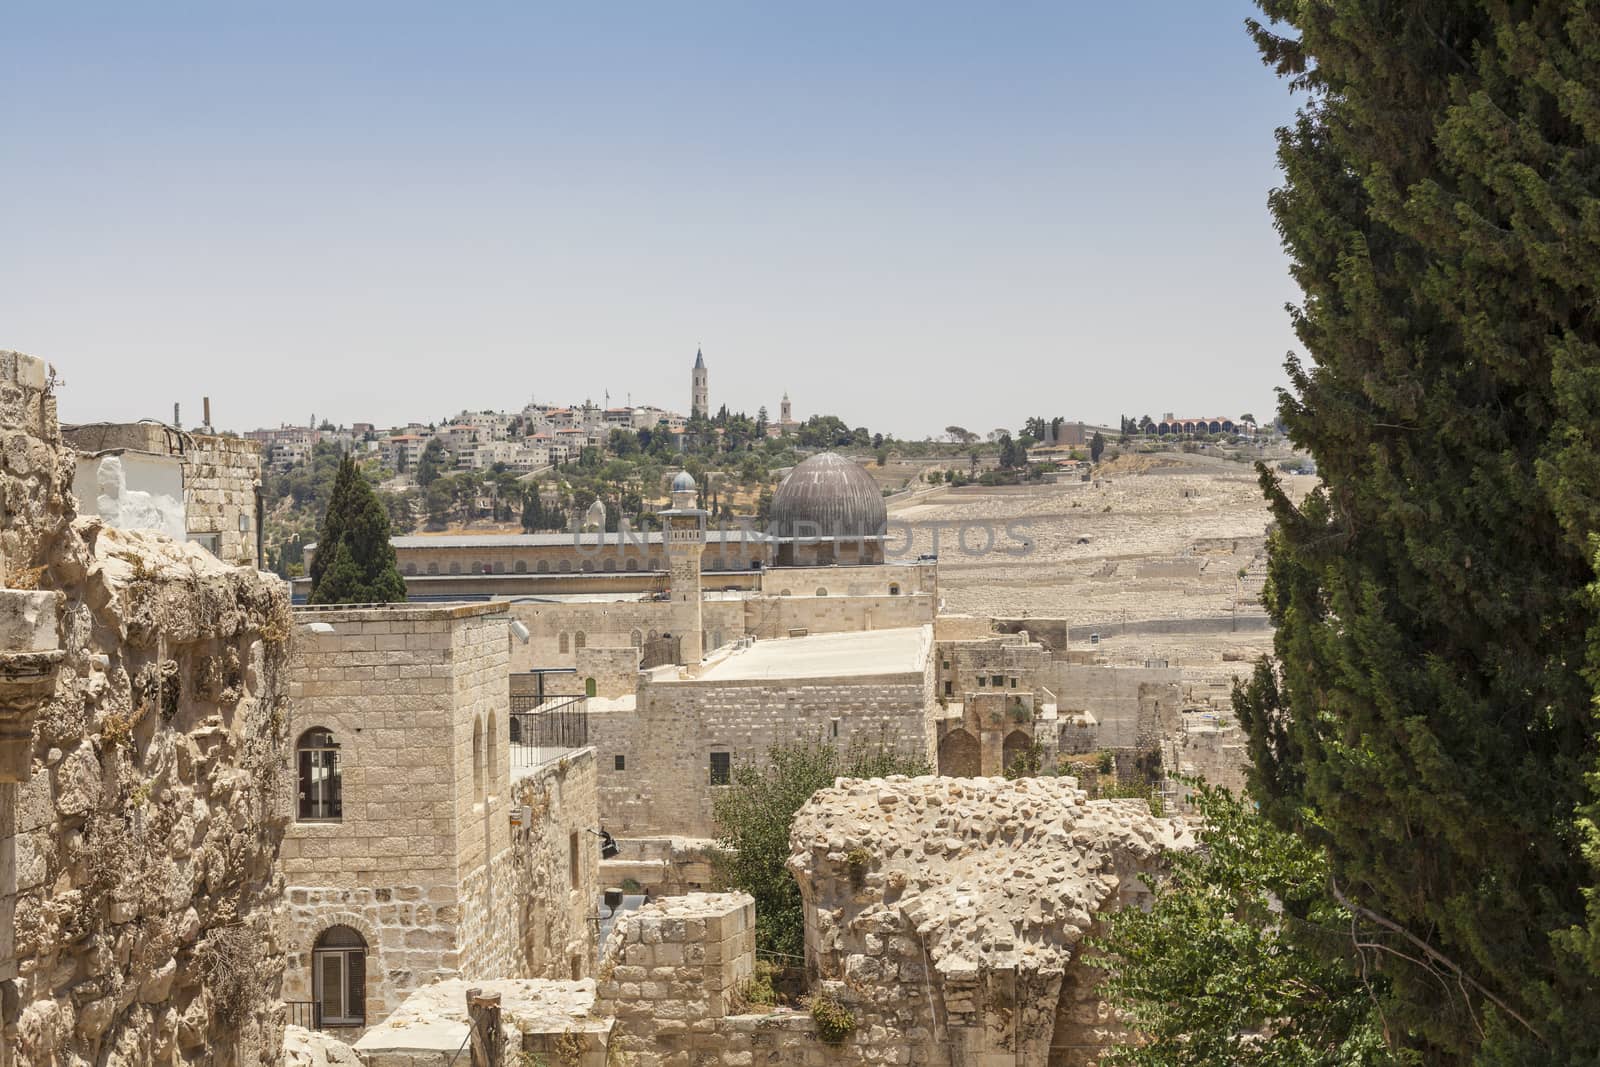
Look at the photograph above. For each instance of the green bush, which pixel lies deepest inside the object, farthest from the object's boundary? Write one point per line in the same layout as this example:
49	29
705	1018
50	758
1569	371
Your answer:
834	1021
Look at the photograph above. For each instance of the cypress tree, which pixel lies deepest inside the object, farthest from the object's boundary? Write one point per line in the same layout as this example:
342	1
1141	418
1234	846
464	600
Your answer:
1428	715
355	563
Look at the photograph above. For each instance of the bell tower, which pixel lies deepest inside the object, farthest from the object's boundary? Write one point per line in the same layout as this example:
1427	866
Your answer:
699	389
785	416
685	534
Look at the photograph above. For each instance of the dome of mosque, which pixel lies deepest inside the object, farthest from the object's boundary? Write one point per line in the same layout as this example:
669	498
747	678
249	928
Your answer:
828	495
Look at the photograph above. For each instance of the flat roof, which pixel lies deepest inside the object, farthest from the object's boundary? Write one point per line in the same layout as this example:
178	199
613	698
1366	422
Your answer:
901	651
613	540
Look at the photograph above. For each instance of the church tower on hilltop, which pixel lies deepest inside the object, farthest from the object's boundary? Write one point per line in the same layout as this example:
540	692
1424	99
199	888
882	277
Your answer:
784	416
699	391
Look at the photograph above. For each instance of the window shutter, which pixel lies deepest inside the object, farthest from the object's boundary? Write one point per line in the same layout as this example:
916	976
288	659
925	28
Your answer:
335	787
305	784
357	968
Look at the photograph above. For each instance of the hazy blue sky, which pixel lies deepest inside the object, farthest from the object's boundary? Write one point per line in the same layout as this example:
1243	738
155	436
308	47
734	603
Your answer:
909	213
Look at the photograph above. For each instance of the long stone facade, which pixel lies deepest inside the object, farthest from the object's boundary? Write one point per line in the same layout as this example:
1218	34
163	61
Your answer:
139	831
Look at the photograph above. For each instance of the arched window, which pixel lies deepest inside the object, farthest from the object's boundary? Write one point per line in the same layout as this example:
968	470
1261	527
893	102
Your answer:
455	566
784	592
632	565
543	567
821	591
580	641
588	565
894	588
499	566
609	565
477	761
566	566
411	568
563	648
522	566
321	788
433	568
589	687
339	977
491	759
635	639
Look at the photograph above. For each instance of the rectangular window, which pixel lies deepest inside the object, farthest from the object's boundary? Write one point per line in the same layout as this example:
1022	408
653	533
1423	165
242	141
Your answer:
721	768
620	762
835	727
948	689
572	857
1013	683
982	681
997	681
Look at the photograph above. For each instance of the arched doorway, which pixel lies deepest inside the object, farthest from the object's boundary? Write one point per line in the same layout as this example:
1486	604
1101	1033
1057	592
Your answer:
958	755
339	977
1016	745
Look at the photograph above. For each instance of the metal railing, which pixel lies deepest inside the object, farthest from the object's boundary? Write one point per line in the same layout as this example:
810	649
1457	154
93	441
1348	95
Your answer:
529	689
303	1013
549	731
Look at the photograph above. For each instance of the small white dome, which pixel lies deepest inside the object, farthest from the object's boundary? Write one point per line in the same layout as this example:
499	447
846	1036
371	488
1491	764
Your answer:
683	483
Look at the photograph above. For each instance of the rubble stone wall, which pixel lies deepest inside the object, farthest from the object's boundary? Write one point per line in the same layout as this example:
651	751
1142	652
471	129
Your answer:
557	896
947	913
140	849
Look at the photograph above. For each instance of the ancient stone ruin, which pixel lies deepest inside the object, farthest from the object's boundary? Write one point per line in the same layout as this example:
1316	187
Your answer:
142	726
950	912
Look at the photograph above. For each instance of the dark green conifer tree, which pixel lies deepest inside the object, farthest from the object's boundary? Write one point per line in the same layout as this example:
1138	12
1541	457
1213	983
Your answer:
354	562
1428	716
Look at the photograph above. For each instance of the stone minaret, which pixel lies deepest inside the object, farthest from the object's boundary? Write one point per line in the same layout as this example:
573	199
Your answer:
700	392
685	532
784	417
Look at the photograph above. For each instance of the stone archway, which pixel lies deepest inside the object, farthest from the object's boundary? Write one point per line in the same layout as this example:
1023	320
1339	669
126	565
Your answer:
958	755
1016	744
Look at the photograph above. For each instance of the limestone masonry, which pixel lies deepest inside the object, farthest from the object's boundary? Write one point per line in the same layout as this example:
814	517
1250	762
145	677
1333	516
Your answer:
140	825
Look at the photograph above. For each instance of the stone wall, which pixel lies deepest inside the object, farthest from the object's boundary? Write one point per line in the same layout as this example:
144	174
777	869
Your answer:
615	671
666	739
629	622
556	898
138	833
673	969
220	476
780	616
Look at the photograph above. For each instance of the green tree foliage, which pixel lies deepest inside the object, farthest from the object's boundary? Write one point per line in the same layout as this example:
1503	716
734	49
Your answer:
755	812
1429	717
432	463
1097	445
1244	958
354	562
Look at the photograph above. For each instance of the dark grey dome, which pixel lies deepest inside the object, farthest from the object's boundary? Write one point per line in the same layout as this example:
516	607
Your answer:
832	497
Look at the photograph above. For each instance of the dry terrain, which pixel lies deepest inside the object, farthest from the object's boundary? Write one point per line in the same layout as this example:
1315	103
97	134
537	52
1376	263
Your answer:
1157	554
